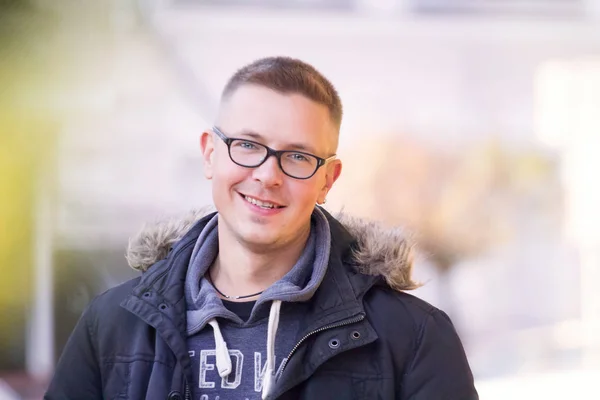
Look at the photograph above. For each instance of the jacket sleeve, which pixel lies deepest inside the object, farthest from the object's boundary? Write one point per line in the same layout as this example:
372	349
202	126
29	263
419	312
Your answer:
77	374
439	369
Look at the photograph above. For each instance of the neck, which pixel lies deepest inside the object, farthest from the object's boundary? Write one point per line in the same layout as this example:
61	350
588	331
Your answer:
244	269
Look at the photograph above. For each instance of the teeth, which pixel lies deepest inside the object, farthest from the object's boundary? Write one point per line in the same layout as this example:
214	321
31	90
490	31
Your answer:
259	203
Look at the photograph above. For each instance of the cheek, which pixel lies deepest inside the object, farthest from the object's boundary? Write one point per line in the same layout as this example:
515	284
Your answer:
306	193
227	173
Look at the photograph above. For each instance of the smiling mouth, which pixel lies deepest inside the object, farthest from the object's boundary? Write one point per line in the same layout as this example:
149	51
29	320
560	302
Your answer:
262	204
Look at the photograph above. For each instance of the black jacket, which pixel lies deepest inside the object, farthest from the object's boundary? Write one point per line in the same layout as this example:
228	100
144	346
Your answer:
362	338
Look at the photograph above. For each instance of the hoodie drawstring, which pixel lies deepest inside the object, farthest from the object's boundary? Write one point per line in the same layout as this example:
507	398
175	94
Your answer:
222	352
269	377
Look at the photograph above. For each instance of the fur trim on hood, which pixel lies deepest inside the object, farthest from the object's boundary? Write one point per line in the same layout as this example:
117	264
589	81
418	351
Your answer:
380	251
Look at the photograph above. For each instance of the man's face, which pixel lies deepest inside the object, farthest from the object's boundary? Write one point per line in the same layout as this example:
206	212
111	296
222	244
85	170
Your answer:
282	122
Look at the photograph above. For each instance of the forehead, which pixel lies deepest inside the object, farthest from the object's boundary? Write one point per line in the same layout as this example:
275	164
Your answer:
280	119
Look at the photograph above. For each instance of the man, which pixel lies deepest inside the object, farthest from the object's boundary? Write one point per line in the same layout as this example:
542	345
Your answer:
271	297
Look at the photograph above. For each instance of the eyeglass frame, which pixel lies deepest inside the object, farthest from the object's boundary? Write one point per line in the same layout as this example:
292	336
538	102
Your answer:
271	152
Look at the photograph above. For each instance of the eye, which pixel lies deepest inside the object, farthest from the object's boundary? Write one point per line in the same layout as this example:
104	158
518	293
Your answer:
245	145
298	157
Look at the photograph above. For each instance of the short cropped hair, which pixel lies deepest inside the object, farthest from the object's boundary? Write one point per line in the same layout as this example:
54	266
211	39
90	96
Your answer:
289	75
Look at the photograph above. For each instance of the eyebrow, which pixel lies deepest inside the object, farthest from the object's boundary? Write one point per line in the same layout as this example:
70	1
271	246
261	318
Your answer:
289	146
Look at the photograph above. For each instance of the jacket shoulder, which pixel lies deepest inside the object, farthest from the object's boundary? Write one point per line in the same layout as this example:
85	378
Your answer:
402	318
116	294
408	308
106	306
425	347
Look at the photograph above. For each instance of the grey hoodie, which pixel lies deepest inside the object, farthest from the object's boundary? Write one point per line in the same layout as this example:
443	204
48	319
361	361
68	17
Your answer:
246	354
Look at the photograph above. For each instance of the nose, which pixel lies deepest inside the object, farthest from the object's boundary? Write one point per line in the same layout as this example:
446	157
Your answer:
269	173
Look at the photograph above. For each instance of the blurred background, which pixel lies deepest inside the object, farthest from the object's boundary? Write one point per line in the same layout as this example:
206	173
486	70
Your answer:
473	123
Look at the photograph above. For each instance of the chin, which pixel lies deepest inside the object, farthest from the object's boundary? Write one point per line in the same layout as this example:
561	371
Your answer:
260	238
260	233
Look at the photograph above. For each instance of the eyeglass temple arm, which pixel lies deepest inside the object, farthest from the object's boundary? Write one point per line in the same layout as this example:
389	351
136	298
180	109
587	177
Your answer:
326	160
219	133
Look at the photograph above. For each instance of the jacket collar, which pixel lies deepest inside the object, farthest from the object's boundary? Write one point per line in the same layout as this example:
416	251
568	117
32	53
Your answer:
367	246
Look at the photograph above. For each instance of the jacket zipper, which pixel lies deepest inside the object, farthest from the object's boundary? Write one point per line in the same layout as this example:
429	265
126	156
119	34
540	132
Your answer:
354	320
188	395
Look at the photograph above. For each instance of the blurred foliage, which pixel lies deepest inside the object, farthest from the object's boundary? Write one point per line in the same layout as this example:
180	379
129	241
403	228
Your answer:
459	203
490	193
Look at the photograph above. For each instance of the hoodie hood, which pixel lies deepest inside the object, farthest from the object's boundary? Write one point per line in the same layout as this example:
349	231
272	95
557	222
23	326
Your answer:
378	250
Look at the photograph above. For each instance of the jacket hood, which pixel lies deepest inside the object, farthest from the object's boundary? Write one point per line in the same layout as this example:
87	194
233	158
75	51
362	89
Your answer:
378	250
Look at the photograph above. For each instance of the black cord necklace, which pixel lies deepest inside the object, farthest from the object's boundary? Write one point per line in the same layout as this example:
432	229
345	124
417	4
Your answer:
231	297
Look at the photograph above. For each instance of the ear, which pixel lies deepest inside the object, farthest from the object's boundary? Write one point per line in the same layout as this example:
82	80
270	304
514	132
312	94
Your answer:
207	147
334	169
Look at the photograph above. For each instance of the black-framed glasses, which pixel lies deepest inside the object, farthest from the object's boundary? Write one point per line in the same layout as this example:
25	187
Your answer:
251	154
